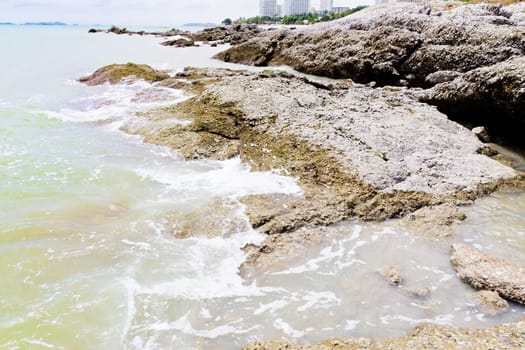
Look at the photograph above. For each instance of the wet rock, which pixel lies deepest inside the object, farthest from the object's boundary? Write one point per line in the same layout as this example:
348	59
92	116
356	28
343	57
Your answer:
357	152
491	303
435	221
181	42
276	250
419	292
114	74
482	133
393	43
121	31
117	30
509	336
487	273
392	275
215	219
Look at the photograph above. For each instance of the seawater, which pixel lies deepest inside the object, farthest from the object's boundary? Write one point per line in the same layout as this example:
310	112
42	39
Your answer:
89	252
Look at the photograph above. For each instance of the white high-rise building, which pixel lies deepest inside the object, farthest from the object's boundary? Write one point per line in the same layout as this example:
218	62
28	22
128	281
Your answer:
327	5
296	7
268	8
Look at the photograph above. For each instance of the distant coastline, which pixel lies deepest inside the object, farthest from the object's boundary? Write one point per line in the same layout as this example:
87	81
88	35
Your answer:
209	24
36	24
45	24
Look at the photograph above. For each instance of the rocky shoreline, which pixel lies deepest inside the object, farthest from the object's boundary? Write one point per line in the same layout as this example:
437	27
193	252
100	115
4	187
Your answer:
370	151
231	34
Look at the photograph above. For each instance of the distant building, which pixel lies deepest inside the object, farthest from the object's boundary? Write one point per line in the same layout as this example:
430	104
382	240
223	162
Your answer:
296	7
279	10
268	8
327	6
339	10
391	1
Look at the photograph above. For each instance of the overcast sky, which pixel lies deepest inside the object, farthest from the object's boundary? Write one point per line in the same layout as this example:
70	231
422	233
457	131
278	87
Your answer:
135	12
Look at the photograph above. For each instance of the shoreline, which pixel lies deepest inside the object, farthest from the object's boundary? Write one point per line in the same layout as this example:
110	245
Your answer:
347	170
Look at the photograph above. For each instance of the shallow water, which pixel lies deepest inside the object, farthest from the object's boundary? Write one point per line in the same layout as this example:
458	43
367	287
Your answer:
91	251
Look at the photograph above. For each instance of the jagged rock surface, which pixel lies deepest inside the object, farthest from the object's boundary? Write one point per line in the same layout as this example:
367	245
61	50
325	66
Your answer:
482	96
491	303
358	152
487	273
393	44
232	34
504	337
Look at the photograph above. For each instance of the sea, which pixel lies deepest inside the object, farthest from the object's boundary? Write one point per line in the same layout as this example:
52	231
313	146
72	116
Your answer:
93	253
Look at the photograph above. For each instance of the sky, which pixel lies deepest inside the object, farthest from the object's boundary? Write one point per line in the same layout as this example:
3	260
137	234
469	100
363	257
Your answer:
135	12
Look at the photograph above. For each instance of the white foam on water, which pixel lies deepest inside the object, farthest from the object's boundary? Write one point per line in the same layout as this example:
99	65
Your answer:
442	320
287	329
118	102
229	178
337	255
271	307
351	324
39	343
212	272
319	300
183	324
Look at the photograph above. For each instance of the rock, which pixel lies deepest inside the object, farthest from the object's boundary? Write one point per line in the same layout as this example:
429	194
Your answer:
493	96
276	250
390	44
510	336
120	31
482	133
435	221
358	152
419	292
117	30
181	42
491	303
441	76
233	34
487	273
392	275
114	74
219	218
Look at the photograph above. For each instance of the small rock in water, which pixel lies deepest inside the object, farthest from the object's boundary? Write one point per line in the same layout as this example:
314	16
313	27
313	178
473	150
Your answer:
392	275
482	133
491	303
419	292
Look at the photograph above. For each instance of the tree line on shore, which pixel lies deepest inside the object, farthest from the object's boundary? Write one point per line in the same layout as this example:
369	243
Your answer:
305	18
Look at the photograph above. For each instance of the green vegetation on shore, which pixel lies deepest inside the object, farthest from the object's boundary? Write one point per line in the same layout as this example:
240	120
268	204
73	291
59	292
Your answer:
295	19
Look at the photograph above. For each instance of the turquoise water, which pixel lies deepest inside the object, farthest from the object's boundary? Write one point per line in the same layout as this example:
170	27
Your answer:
90	256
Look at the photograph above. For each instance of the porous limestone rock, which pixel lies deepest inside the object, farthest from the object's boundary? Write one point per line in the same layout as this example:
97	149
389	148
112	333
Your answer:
393	43
509	336
490	302
487	273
